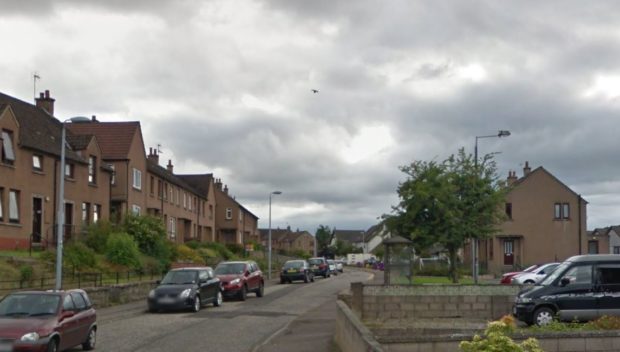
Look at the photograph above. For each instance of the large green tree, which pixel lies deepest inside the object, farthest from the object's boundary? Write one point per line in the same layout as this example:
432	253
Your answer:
448	203
323	238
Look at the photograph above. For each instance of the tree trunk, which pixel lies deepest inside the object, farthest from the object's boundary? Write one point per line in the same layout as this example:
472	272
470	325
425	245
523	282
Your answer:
452	273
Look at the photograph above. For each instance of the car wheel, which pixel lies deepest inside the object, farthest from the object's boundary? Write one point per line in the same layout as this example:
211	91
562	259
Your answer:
243	293
197	304
218	299
91	340
543	316
261	290
312	278
529	282
52	346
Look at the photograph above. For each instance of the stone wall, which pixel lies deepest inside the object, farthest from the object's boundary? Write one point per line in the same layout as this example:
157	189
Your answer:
374	302
119	294
351	335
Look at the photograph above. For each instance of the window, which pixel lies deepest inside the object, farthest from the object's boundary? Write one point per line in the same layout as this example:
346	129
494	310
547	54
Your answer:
565	211
178	197
592	247
92	169
165	190
137	179
557	211
171	194
135	209
609	277
184	200
172	228
152	188
190	203
67	304
86	213
69	170
96	213
240	216
210	211
37	162
509	210
80	303
561	211
8	153
113	180
1	203
579	275
616	248
159	189
228	213
14	206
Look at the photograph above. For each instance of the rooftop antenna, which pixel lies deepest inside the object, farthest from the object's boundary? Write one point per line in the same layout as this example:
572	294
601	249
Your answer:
35	76
159	149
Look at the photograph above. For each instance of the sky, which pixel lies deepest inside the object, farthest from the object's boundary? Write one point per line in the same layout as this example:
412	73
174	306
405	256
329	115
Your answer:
225	87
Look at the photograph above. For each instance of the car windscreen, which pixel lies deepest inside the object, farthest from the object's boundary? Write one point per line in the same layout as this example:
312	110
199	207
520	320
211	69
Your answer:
315	261
559	270
230	269
180	277
531	268
293	265
19	305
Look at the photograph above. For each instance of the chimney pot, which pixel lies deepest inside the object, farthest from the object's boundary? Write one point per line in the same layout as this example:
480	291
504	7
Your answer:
169	166
41	95
45	102
47	93
94	118
526	169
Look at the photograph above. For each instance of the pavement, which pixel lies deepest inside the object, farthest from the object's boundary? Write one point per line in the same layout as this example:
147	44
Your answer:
312	331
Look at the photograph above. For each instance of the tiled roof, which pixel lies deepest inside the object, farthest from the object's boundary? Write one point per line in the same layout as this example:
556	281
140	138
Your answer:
114	138
79	142
199	182
542	169
156	169
352	236
38	130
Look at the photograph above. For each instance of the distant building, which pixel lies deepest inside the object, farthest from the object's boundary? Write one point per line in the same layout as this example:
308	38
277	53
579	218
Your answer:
356	238
287	240
604	240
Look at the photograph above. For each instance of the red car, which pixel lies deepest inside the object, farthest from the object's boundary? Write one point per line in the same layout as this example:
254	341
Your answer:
47	321
240	277
507	277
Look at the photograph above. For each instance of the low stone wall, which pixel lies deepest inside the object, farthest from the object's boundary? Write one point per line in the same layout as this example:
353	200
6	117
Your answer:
376	302
119	294
351	335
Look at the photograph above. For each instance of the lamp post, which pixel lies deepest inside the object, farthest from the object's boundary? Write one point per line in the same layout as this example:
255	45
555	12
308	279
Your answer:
60	215
474	242
269	237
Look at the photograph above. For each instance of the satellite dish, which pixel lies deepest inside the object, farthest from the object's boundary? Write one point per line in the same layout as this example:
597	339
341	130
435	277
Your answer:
79	119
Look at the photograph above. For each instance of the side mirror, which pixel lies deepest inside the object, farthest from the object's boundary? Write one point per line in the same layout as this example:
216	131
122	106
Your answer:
565	281
158	282
66	314
247	273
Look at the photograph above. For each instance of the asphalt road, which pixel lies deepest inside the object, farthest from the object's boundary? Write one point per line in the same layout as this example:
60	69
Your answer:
235	326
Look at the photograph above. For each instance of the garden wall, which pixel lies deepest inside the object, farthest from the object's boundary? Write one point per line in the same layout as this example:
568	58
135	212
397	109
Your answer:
120	294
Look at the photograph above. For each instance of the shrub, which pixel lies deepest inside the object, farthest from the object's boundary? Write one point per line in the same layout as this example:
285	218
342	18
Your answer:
186	254
222	250
605	322
122	249
148	232
26	273
78	255
151	265
48	256
496	339
97	235
236	248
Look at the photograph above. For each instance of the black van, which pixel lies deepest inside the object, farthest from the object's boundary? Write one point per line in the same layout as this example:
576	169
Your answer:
584	287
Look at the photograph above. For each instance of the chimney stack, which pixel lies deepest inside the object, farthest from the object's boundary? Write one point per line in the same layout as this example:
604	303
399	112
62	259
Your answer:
45	102
512	177
526	169
226	189
153	156
94	118
169	166
218	184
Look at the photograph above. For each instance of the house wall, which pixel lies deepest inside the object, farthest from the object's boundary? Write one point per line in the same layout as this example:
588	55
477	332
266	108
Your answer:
614	241
137	160
538	237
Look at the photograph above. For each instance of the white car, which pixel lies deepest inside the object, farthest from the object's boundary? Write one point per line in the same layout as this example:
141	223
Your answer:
339	266
534	276
332	266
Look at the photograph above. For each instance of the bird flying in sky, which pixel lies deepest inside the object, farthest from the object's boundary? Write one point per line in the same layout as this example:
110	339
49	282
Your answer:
314	91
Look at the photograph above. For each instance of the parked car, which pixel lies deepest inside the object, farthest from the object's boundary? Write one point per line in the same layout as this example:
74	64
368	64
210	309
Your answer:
340	265
507	277
534	276
240	277
47	321
332	266
319	266
186	288
296	270
584	287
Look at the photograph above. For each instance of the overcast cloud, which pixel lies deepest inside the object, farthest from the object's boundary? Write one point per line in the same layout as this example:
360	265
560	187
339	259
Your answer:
225	87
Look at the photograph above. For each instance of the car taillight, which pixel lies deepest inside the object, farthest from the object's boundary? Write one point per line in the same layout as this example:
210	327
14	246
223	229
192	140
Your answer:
322	266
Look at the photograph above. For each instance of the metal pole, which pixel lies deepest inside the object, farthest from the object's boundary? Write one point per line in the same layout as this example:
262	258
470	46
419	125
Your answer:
61	212
474	244
269	240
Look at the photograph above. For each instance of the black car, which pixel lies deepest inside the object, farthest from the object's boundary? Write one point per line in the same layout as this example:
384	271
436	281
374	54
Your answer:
186	288
319	267
584	287
296	270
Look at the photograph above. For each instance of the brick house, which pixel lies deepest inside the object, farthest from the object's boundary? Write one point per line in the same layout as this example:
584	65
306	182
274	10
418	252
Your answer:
29	171
287	240
604	240
546	222
203	184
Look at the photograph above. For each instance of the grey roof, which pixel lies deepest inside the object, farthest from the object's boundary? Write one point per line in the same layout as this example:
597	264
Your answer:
200	182
352	236
156	169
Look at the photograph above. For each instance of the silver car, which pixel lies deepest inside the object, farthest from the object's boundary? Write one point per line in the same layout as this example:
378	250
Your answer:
534	276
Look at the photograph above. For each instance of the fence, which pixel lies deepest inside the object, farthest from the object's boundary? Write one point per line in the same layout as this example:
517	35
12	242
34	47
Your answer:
79	280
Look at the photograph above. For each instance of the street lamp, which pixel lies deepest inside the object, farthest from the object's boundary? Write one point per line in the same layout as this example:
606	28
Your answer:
474	242
269	237
60	215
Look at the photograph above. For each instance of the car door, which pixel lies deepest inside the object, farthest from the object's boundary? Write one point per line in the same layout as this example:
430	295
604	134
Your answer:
203	283
81	315
607	289
575	296
253	277
69	326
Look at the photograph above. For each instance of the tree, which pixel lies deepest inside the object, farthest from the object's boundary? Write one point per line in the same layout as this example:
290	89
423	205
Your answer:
323	238
448	203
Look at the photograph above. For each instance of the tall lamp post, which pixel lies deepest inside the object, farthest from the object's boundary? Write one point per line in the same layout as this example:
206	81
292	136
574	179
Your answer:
474	241
60	215
269	237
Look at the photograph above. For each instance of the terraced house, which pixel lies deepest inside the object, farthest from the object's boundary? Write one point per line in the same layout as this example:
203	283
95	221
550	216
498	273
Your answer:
29	175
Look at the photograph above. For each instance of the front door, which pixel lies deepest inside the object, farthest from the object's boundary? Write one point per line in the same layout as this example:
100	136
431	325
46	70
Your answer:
37	214
509	258
68	220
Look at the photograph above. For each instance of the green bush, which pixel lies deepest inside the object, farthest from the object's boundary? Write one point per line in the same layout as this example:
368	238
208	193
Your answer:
496	339
236	248
151	265
26	273
97	235
186	254
48	255
221	249
148	232
79	255
123	250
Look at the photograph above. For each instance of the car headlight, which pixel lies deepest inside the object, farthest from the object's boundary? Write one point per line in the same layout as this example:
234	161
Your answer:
30	337
185	293
523	300
235	281
152	294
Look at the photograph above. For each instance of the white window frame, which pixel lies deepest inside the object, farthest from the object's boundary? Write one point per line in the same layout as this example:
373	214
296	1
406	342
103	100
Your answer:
565	211
37	162
229	213
189	207
92	169
69	171
14	206
96	213
137	179
184	200
113	180
7	146
136	210
172	228
1	200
